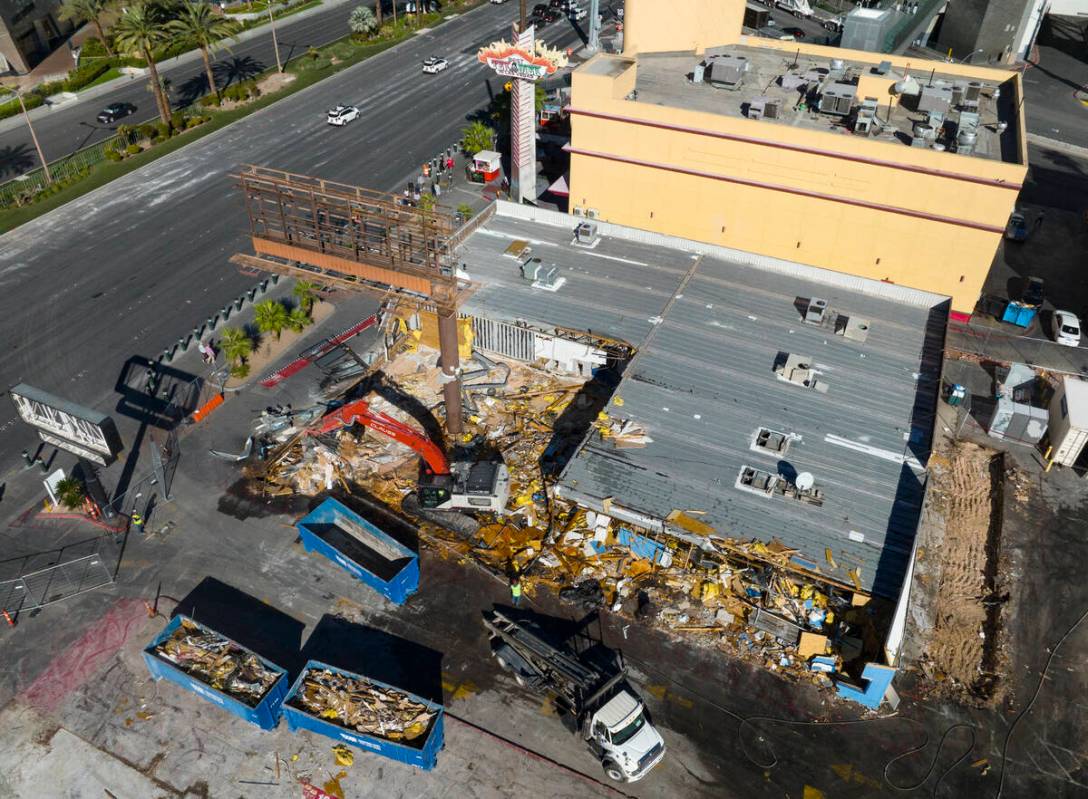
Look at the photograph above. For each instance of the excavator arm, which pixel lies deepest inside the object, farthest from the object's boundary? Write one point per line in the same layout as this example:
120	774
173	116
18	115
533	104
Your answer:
359	412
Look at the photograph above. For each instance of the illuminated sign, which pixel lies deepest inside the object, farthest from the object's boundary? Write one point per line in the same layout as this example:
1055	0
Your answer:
81	431
530	63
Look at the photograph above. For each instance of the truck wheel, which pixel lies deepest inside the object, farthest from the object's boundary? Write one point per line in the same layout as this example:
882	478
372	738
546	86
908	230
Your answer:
613	771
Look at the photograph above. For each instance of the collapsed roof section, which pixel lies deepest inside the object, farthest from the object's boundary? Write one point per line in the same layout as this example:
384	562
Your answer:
778	401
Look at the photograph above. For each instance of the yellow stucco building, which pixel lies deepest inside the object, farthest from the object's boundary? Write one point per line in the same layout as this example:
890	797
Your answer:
859	162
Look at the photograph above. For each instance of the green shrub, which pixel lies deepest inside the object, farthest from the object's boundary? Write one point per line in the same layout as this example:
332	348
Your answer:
146	131
192	122
86	74
134	149
209	100
113	155
92	48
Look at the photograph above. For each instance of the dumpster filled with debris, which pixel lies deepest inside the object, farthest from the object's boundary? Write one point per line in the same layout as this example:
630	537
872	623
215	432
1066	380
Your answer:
367	713
363	550
218	669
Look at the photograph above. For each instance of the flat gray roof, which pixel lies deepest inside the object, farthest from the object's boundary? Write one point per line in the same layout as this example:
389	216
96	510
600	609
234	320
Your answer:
663	79
708	325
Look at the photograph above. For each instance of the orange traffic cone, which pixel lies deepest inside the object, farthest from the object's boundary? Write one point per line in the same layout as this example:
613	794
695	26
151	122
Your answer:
7	618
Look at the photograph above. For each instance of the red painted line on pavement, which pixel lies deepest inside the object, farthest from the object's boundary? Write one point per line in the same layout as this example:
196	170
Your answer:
299	364
77	664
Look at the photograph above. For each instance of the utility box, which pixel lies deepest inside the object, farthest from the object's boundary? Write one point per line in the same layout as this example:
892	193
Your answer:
1068	421
360	548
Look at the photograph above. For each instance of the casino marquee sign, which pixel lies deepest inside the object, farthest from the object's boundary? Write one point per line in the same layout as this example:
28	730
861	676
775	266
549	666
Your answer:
81	431
511	61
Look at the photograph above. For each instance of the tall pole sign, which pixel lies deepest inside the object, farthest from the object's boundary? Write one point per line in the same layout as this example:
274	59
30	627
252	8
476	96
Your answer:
524	62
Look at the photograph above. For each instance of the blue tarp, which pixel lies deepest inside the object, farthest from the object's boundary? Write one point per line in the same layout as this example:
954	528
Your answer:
641	546
1019	315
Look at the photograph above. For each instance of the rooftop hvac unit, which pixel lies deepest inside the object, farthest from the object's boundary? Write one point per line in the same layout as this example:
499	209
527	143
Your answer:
936	120
541	276
727	72
958	90
972	91
793	82
935	98
763	108
907	86
814	313
838	98
923	130
966	140
697	73
865	123
919	141
586	234
883	68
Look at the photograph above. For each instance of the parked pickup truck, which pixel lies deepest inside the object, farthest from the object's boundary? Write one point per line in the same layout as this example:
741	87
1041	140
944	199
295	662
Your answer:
591	692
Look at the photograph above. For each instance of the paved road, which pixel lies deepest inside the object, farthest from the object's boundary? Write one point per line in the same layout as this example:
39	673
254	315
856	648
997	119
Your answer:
1050	84
129	268
74	126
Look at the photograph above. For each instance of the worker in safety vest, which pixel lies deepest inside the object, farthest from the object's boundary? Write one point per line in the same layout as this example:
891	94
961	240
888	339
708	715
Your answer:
515	590
137	522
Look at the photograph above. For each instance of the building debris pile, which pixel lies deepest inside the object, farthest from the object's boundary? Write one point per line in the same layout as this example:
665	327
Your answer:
760	600
217	661
359	704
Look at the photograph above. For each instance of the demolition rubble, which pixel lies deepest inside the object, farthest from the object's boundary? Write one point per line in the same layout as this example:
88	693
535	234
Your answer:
750	598
359	704
218	662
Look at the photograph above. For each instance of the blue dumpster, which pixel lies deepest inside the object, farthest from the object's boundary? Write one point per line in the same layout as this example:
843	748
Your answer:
421	751
262	710
1019	314
362	549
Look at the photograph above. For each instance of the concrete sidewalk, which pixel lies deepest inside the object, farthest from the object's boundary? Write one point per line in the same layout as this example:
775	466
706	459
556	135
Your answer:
185	58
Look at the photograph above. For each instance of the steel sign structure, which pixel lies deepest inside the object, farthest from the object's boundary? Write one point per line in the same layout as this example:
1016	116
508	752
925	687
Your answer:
79	430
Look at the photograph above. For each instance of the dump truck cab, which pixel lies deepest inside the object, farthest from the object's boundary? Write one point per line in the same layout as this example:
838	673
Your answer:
623	738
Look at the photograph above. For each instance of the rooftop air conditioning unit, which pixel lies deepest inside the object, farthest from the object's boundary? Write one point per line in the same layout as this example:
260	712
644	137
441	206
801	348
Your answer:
586	234
814	314
763	108
793	82
972	91
697	73
727	71
838	98
935	98
541	276
591	213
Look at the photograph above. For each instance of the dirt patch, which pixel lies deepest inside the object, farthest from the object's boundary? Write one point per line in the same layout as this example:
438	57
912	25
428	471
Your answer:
275	82
963	656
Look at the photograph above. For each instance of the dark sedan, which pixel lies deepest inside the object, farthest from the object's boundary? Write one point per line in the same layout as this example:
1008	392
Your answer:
796	33
115	111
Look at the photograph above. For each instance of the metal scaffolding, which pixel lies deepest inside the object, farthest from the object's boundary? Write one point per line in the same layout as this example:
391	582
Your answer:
362	239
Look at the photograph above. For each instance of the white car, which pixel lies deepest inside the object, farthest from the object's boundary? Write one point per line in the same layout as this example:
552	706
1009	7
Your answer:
432	66
498	2
577	14
1066	328
343	114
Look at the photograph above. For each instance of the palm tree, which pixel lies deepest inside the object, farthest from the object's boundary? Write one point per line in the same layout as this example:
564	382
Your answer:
237	346
70	493
270	316
90	11
476	137
362	21
305	292
298	320
202	27
139	31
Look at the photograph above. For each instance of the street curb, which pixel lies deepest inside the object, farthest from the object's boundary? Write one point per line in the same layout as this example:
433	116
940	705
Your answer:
1056	144
179	60
221	131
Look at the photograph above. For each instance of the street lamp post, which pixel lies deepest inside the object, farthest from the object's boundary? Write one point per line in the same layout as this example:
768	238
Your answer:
33	136
275	42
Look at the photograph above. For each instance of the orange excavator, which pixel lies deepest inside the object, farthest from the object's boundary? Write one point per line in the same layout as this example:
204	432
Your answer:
463	485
